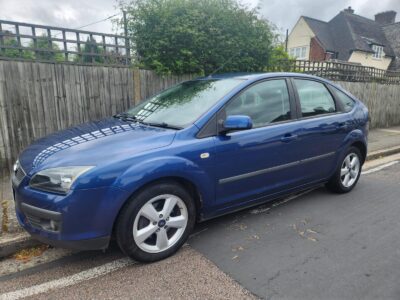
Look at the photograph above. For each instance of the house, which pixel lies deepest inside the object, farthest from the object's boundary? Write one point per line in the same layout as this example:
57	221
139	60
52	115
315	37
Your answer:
348	37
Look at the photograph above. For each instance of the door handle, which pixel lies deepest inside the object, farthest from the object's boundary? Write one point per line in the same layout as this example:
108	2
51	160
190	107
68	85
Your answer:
289	137
342	125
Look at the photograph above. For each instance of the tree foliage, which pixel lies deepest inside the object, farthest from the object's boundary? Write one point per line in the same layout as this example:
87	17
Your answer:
280	60
92	47
190	36
46	49
11	41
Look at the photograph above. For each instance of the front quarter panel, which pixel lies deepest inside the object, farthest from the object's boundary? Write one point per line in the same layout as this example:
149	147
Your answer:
151	170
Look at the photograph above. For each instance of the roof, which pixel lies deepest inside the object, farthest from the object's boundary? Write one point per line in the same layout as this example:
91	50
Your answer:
348	32
322	31
392	32
366	32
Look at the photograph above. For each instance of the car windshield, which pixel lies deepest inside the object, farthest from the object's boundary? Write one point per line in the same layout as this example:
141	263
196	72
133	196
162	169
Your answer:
183	104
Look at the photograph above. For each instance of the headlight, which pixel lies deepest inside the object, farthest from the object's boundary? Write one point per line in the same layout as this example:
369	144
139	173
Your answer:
16	166
57	180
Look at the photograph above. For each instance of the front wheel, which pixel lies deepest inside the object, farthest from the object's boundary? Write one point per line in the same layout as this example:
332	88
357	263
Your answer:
348	172
156	222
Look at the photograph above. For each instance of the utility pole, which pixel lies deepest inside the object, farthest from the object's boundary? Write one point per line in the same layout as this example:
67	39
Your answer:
127	49
287	40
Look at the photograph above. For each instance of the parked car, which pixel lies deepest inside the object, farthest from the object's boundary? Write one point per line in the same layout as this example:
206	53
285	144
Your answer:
196	151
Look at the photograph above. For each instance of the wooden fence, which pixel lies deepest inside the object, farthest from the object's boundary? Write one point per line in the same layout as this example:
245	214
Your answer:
338	71
39	98
383	101
150	83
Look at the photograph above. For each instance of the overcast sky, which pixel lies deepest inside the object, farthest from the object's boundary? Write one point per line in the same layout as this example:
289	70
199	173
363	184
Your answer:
76	13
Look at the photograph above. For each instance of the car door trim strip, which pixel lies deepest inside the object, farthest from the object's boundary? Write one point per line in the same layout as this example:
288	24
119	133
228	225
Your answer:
275	168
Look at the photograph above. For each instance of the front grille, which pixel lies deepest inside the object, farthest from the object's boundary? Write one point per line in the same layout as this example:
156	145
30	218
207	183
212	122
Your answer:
18	175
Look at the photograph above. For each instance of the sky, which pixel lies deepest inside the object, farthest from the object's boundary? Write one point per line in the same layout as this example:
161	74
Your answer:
76	13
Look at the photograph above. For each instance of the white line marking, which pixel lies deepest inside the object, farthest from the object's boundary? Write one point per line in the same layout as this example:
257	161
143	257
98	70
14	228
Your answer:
69	280
381	167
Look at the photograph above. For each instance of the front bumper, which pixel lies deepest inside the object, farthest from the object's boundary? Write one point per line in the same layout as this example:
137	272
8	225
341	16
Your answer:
82	219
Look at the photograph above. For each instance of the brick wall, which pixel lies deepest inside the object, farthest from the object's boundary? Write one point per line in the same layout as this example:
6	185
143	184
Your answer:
317	53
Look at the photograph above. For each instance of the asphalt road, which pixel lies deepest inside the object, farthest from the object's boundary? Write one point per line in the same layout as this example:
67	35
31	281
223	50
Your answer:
316	246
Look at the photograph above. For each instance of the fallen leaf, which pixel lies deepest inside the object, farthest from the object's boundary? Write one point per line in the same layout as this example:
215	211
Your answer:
312	239
26	255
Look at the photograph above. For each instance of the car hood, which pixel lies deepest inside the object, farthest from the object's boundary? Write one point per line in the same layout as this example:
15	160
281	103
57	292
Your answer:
93	143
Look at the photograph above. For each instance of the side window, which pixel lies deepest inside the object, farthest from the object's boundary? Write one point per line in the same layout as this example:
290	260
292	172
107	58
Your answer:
266	102
346	101
315	98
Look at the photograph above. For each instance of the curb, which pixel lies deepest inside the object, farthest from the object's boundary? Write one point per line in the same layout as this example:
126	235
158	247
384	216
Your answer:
12	243
381	153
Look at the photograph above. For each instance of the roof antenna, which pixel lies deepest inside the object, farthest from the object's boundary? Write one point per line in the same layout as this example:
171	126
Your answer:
224	64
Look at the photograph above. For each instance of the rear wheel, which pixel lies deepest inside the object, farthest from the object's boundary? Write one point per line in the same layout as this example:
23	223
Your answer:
348	172
156	222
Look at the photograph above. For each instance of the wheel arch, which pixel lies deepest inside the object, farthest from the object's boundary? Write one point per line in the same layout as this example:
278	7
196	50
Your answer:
186	183
363	149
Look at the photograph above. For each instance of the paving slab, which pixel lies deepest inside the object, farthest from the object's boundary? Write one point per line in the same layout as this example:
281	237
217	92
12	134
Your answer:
380	139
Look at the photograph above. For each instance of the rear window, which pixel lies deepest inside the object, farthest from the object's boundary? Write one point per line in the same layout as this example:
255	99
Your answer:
346	102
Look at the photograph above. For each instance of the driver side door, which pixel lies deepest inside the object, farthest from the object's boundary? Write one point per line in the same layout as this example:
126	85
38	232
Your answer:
263	160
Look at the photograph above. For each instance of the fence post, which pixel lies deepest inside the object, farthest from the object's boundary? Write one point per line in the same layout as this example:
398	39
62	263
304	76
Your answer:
3	50
136	83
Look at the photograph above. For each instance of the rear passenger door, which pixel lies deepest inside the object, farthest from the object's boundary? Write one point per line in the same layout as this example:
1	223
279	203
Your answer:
322	125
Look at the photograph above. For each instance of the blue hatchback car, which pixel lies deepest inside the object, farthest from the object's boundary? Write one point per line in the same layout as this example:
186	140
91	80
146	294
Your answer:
198	150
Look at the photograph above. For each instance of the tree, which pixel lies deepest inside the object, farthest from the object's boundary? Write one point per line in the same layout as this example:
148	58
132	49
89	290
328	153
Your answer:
92	47
44	45
280	60
190	36
11	41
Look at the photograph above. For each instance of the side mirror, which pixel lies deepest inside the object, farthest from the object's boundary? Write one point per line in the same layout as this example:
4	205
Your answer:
233	123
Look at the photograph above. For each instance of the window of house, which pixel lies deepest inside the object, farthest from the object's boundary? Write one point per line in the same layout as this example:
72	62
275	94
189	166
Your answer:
266	102
298	52
378	51
315	99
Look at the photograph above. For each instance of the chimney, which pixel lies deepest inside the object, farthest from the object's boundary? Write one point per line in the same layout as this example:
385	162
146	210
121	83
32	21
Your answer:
386	18
349	10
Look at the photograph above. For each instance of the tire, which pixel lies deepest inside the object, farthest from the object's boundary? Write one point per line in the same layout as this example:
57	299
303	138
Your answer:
166	212
350	168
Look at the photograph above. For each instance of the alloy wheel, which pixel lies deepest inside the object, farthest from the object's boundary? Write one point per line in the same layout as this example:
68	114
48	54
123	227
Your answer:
350	170
160	223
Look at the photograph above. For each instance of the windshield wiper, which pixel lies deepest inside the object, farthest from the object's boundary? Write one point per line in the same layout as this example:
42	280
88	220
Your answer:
126	117
162	125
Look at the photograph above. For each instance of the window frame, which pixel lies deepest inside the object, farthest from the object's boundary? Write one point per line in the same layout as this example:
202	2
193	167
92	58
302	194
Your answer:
378	52
293	50
338	107
339	104
213	125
